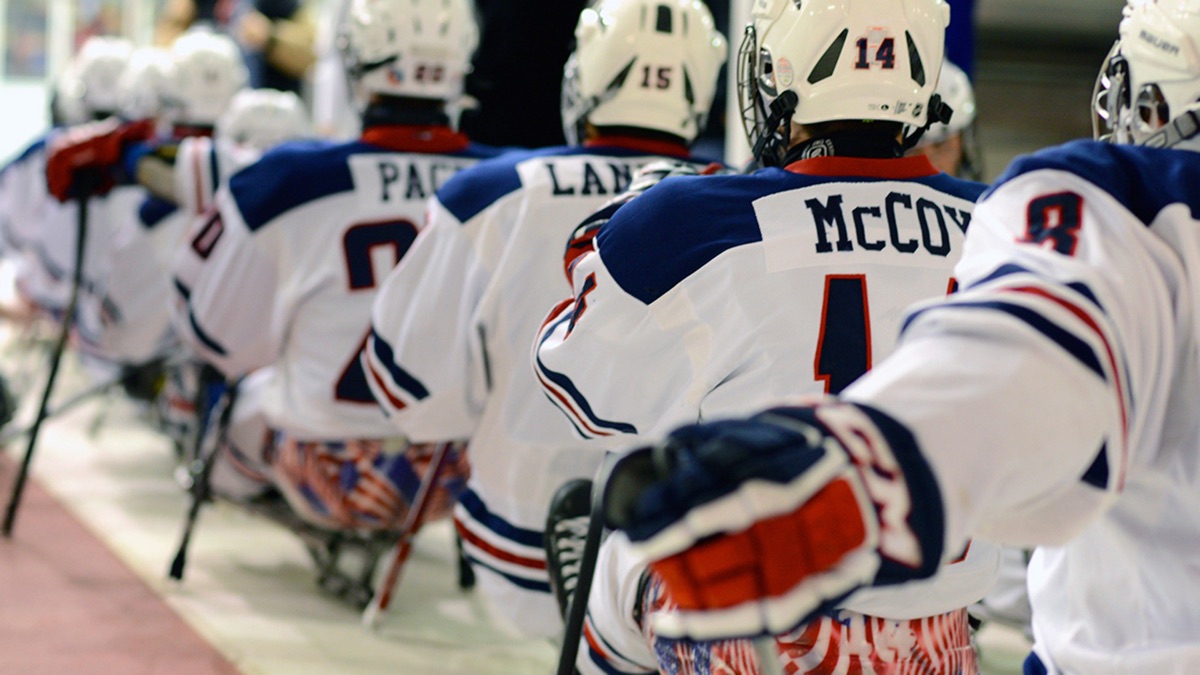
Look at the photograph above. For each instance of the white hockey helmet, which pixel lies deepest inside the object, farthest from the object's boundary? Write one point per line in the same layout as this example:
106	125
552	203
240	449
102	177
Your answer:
956	91
410	48
263	118
811	61
206	71
1148	90
96	72
651	64
144	83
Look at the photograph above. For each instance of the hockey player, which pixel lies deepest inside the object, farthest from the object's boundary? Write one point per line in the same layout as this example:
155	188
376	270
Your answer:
708	296
448	355
285	271
1049	402
40	228
952	146
131	288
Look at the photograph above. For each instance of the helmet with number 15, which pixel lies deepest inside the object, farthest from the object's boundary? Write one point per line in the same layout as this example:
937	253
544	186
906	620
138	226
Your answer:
646	64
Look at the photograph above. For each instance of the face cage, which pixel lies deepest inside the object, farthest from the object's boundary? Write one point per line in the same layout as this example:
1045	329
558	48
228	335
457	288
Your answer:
571	105
767	130
1109	96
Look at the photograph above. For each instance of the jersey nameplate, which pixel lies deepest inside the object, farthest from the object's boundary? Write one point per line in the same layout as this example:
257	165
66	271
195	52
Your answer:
901	226
397	178
570	177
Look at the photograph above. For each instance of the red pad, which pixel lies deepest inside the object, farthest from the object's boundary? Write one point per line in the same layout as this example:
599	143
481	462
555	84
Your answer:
730	569
97	146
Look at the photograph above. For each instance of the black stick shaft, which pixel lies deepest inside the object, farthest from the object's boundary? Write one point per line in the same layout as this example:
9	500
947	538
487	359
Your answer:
18	489
201	485
577	607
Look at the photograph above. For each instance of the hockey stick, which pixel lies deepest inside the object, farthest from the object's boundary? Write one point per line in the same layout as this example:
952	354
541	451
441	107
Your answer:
85	188
201	484
577	605
412	524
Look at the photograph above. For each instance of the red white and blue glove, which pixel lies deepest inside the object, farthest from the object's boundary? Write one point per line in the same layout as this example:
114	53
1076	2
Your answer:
757	525
83	160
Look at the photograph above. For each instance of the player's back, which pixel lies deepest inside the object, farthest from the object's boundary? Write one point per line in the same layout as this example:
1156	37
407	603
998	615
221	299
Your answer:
516	214
329	221
1127	221
775	283
710	296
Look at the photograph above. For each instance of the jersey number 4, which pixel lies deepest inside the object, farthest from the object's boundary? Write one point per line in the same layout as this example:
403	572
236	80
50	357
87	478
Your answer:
370	251
844	345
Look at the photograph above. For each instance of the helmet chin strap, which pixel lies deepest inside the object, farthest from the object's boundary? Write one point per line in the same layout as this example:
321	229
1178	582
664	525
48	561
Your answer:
1182	128
938	112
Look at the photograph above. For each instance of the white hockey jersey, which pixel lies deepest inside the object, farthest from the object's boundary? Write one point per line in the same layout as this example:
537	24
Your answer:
39	231
710	297
291	265
42	234
449	351
128	319
1057	394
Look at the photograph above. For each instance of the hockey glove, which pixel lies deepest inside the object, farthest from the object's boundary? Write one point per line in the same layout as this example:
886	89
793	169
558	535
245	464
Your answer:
83	160
757	525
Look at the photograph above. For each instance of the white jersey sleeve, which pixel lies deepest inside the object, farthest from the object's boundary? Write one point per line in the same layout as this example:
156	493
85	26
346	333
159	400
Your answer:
434	293
1054	398
234	336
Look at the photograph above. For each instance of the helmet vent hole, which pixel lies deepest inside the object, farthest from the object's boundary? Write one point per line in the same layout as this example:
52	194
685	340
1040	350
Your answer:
663	21
688	93
914	61
828	61
619	80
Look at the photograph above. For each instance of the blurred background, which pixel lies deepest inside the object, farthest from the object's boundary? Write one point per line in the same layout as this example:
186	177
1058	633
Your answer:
1033	62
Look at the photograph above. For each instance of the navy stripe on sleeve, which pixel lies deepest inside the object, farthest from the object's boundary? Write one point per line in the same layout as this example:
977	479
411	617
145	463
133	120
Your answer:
402	378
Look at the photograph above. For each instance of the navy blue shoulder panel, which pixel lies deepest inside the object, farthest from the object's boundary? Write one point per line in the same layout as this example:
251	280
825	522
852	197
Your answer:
292	174
678	226
153	211
1144	180
472	190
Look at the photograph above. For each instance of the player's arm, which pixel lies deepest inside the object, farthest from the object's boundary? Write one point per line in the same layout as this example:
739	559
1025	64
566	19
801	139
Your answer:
626	354
425	359
612	364
225	285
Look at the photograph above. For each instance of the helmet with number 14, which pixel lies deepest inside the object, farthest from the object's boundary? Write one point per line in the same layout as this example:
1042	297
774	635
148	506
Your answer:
811	61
